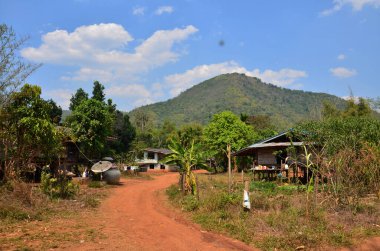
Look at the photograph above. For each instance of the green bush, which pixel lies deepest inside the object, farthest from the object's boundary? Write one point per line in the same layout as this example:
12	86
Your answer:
173	192
13	213
95	184
190	203
60	187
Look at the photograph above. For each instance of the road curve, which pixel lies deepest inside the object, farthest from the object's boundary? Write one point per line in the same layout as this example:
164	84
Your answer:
134	217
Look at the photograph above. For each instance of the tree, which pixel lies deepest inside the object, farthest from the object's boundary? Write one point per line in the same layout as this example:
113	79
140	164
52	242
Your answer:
162	134
55	112
188	134
143	120
13	70
225	129
187	158
91	123
124	132
353	109
98	91
77	99
27	131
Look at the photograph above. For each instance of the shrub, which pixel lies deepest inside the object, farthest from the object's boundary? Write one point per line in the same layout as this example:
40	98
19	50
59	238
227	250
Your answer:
60	187
173	192
95	184
190	203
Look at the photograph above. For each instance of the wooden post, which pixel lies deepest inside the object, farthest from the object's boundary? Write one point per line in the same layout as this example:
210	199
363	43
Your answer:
246	186
242	176
229	167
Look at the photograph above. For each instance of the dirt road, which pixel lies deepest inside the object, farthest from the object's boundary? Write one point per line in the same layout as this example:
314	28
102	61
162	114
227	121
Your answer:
134	217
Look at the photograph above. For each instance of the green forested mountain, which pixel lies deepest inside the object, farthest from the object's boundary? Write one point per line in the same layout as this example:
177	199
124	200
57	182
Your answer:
240	94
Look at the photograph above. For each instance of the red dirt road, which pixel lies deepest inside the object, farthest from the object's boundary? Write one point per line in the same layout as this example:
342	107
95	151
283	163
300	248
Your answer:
134	217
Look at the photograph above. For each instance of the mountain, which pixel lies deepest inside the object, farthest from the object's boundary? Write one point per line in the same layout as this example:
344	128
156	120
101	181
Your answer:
241	94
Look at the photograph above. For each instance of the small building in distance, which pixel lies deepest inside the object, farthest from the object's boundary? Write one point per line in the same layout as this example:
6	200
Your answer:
276	154
152	160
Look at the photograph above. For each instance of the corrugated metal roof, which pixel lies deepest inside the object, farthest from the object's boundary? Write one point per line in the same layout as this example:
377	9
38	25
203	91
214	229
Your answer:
159	150
263	143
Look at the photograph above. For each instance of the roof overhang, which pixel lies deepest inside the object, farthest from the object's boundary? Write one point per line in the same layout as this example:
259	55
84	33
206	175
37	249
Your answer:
253	148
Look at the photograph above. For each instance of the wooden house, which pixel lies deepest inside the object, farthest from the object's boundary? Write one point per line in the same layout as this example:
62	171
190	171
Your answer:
277	153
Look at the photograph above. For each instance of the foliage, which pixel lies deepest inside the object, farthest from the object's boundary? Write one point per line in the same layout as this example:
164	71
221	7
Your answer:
226	128
13	70
341	133
27	130
91	124
77	99
98	91
189	133
345	153
55	113
187	158
124	132
58	187
360	109
241	94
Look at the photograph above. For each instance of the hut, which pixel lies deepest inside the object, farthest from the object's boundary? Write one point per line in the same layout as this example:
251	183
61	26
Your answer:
274	155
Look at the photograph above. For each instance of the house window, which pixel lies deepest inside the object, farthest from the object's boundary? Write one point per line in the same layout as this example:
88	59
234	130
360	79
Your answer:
151	166
150	155
162	166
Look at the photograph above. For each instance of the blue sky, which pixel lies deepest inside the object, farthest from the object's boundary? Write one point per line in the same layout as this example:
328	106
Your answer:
149	51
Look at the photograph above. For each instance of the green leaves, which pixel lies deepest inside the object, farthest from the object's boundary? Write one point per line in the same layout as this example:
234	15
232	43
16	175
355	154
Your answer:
226	128
91	123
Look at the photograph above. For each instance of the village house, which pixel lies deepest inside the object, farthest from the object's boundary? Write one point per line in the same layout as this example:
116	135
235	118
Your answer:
274	155
152	160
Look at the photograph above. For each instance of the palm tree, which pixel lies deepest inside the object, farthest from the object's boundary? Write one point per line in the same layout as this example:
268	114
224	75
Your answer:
187	158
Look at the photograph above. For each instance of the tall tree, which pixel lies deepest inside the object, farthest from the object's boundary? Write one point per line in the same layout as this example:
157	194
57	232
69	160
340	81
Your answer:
124	132
91	123
225	129
55	112
189	133
98	91
27	131
13	70
77	99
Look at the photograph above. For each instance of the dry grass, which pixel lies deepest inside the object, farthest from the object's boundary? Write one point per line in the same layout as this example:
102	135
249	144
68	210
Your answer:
31	221
278	219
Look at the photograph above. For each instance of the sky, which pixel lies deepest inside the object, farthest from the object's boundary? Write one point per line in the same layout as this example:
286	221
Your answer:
149	51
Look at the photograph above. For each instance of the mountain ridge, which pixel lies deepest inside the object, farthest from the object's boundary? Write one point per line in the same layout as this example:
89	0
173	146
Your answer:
240	94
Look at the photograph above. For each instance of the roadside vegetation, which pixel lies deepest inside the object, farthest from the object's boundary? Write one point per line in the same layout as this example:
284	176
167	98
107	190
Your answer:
278	218
31	220
338	205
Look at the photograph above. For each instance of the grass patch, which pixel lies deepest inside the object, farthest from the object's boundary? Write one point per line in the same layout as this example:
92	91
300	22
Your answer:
27	216
278	219
136	175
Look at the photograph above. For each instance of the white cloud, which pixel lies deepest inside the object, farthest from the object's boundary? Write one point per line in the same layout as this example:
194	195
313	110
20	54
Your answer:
342	72
60	96
341	57
100	51
177	83
138	11
136	94
164	9
356	5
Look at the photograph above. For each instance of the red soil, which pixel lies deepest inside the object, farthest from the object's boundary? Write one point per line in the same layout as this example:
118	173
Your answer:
135	217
